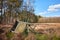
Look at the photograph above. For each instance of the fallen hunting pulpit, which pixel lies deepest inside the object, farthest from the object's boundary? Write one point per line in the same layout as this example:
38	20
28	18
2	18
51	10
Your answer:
18	27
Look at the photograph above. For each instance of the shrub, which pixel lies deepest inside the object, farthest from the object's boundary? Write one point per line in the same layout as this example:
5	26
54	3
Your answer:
56	38
41	37
9	35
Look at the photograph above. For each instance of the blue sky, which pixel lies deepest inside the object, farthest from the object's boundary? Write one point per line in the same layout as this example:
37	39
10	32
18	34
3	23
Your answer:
47	8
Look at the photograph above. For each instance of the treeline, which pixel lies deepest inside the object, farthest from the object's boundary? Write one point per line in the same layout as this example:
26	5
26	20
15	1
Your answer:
49	20
17	9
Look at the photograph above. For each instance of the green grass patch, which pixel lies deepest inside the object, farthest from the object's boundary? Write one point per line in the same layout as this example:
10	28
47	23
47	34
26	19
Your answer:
41	37
9	35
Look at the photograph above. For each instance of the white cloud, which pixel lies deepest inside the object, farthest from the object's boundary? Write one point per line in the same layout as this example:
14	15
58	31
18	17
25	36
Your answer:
53	8
52	16
56	15
41	13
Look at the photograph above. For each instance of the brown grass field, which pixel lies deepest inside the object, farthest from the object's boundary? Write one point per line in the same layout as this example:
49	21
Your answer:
47	28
